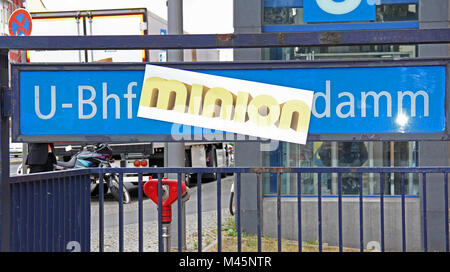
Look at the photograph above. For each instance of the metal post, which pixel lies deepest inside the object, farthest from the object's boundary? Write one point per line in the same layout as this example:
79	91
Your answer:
175	26
4	158
166	236
174	152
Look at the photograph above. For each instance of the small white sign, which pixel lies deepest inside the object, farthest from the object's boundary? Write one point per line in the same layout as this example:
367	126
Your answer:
226	104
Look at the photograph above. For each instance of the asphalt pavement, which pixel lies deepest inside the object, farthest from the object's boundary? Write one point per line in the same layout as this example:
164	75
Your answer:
130	211
150	227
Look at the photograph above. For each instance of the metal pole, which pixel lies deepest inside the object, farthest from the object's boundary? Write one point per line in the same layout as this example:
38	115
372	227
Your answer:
166	237
174	153
4	157
175	26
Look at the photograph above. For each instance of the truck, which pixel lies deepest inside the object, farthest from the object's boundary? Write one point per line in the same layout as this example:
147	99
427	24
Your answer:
123	22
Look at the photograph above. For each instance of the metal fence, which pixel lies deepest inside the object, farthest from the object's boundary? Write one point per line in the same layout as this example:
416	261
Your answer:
51	211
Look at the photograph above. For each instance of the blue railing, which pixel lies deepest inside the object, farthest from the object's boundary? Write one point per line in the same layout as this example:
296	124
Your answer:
50	212
46	217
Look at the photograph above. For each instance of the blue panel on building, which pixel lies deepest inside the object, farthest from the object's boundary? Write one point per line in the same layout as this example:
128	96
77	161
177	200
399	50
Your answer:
338	11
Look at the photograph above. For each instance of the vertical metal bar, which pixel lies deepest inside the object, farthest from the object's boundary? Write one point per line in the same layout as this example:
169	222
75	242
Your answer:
403	213
279	210
32	216
175	26
44	212
238	219
424	193
361	214
15	212
5	203
53	225
199	210
446	211
75	208
219	212
69	206
26	218
46	216
67	220
382	210
34	220
101	226
14	216
180	220
140	214
52	231
258	209
44	202
87	209
18	217
49	211
87	193
60	222
23	216
37	215
319	209
299	210
160	240
340	211
120	212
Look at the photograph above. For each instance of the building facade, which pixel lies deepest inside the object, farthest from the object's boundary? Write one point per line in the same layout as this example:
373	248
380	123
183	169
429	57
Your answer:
259	16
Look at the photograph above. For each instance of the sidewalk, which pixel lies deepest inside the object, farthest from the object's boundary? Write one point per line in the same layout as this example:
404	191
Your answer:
131	239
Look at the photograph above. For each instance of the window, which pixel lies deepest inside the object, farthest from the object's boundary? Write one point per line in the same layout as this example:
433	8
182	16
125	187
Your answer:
391	13
282	16
343	154
384	13
341	52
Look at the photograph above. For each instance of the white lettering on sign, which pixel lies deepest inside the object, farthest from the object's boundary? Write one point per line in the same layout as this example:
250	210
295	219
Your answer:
107	97
82	102
129	96
37	108
87	104
368	100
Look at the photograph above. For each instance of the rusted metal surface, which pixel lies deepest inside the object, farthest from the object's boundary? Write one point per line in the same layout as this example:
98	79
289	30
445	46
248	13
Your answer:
224	40
331	37
281	39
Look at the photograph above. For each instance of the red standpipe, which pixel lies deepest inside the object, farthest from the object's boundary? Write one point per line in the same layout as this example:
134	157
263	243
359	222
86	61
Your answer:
151	190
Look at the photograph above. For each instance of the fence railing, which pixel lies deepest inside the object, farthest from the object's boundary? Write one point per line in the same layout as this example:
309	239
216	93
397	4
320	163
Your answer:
50	211
46	217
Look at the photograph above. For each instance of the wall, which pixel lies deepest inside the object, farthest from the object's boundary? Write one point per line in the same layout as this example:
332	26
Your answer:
350	221
431	16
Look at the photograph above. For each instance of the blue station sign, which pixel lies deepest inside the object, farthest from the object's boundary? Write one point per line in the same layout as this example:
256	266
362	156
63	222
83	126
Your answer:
90	103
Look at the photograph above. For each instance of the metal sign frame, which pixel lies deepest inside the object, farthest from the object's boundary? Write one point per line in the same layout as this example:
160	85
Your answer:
17	68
